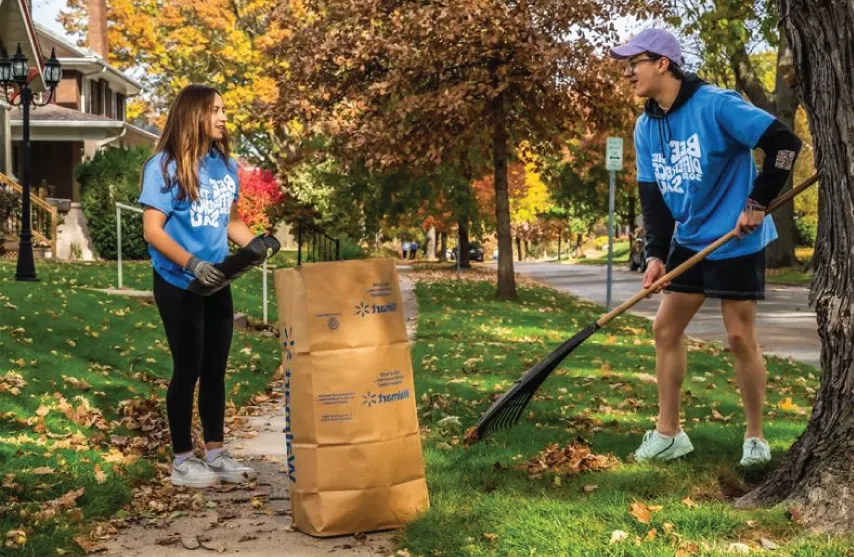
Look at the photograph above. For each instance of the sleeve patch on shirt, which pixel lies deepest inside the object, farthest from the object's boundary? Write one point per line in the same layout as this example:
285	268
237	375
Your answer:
785	159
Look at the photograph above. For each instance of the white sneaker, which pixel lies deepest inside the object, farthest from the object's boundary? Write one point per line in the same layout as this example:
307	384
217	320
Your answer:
755	451
656	446
229	470
192	472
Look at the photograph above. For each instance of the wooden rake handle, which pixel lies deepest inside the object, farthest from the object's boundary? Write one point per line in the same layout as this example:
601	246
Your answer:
619	310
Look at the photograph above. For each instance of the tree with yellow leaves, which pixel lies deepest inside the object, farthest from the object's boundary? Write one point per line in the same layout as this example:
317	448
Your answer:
177	42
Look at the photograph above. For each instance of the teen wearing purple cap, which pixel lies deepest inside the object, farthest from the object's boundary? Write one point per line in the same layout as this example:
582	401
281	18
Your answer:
697	182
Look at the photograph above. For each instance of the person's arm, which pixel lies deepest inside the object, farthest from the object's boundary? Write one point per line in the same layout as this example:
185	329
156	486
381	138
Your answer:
657	220
754	128
153	221
238	231
781	147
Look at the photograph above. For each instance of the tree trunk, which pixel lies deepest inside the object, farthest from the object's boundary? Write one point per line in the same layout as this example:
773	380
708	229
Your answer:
781	253
817	474
443	246
463	244
506	278
558	245
431	244
518	249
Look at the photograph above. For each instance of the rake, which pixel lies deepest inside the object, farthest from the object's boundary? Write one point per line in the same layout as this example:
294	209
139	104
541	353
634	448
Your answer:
505	412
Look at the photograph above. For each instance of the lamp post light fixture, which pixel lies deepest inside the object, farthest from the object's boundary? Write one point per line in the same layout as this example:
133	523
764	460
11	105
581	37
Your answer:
14	74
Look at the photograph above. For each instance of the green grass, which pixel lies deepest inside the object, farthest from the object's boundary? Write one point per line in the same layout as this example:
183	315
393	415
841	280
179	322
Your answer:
621	255
470	348
57	332
792	276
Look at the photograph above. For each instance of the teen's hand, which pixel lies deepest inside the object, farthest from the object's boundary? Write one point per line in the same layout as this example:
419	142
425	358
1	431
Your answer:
654	270
207	274
750	219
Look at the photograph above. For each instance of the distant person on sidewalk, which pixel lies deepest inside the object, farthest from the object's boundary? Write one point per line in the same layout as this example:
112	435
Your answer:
189	193
698	182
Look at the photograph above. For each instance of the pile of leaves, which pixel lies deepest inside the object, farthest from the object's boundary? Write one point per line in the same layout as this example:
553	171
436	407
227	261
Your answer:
570	460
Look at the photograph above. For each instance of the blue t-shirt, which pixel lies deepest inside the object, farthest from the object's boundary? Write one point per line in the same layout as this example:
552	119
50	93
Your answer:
200	227
700	156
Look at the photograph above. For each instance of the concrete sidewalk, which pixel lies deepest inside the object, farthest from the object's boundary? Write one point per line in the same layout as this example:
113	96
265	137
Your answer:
786	324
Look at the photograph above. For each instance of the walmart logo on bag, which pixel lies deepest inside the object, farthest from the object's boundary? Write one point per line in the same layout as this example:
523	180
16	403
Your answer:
372	399
364	309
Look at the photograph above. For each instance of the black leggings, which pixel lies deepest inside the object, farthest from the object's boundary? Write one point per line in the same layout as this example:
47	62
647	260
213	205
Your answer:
199	330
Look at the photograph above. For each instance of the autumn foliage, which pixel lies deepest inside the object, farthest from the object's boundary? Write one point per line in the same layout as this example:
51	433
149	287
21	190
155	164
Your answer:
259	193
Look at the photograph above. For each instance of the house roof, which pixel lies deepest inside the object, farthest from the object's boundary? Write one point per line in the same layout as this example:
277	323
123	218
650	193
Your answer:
16	26
56	113
57	123
72	56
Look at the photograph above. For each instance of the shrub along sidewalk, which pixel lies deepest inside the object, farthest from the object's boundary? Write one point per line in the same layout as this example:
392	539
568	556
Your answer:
502	497
82	381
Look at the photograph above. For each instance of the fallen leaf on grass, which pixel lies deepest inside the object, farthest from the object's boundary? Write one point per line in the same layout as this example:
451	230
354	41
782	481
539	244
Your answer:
15	538
650	536
641	512
43	471
100	476
51	508
787	405
490	537
618	536
77	383
12	383
570	460
688	502
738	548
88	546
590	488
768	544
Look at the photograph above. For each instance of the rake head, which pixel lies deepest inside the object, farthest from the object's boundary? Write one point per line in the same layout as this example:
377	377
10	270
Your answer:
506	411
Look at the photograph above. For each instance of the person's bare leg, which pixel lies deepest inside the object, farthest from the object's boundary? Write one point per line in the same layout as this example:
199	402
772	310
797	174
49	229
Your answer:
671	358
740	320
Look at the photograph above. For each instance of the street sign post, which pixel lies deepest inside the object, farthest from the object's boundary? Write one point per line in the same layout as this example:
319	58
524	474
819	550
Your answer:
613	163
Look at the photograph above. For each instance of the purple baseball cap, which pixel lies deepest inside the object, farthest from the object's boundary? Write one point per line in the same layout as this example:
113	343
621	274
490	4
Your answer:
656	41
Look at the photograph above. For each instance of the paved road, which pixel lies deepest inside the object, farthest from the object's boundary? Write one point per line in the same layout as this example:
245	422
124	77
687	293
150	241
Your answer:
786	323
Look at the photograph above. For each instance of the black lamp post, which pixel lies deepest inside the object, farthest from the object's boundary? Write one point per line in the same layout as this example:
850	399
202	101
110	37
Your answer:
15	71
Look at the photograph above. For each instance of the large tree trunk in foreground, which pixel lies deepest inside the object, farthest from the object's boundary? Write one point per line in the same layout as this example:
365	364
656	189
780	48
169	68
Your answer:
506	278
817	475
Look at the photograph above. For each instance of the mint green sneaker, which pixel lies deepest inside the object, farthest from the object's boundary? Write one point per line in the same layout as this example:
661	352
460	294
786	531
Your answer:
656	446
755	451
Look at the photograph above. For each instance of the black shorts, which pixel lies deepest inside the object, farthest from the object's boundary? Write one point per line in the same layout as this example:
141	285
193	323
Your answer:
738	278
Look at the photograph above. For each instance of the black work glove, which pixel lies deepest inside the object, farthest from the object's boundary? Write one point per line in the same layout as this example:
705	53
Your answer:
264	246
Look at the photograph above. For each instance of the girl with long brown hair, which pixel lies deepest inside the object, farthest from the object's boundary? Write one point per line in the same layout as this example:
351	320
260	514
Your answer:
189	192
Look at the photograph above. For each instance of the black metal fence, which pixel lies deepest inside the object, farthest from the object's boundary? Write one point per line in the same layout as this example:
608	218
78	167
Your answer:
318	245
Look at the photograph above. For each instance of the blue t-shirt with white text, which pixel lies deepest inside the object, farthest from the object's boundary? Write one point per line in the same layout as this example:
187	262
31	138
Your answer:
201	226
700	155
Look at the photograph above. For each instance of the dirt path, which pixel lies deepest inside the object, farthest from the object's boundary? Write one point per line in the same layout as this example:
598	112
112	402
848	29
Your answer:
253	520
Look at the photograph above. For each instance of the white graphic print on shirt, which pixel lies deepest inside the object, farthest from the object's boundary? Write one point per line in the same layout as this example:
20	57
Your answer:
684	165
214	202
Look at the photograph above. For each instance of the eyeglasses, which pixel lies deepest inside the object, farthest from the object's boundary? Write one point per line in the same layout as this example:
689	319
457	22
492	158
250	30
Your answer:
632	65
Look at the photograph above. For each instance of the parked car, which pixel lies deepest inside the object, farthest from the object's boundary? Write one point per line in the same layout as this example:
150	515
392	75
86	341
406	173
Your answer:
475	252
